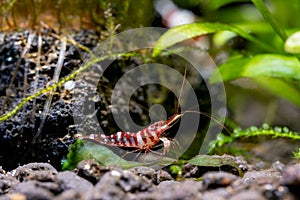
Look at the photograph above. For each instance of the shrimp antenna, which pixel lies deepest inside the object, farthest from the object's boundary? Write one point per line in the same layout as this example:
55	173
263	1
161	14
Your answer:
181	89
210	116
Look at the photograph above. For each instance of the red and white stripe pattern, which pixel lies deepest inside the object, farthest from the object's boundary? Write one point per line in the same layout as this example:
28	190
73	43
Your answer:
143	139
147	137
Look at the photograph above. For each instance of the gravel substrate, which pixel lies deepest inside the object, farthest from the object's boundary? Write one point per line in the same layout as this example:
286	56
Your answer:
92	181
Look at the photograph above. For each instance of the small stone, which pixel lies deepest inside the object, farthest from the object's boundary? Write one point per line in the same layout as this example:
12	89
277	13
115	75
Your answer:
6	182
248	195
270	174
69	195
291	178
218	179
91	170
278	166
35	171
155	176
125	179
69	180
117	184
291	175
106	192
51	186
173	190
32	191
217	194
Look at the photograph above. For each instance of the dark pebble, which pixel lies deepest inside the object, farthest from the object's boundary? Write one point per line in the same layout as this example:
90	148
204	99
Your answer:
268	174
248	195
32	191
115	184
217	194
156	176
69	180
213	180
6	182
291	179
91	170
106	193
173	190
35	171
70	195
126	180
280	167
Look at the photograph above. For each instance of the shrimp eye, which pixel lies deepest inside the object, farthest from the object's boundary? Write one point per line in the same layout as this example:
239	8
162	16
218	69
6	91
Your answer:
152	127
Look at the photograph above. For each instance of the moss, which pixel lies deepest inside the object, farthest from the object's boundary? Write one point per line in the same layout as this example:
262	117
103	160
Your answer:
253	131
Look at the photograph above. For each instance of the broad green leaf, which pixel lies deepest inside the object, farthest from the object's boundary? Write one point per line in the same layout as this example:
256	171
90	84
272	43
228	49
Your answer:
280	88
259	28
188	31
223	37
76	154
85	149
292	44
215	161
105	156
272	65
231	70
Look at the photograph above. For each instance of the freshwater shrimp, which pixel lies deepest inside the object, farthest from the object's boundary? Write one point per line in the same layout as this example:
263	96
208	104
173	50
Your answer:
143	140
148	138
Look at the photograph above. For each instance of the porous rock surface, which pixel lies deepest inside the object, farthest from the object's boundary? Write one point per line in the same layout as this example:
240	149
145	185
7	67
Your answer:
92	181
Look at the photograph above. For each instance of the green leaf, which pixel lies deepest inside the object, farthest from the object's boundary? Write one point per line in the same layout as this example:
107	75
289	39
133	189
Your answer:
86	149
188	31
105	156
271	65
274	66
266	70
76	154
215	4
260	29
231	70
223	37
292	44
259	4
280	88
215	161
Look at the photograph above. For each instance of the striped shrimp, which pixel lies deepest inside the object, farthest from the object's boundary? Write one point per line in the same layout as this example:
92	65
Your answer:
149	137
143	140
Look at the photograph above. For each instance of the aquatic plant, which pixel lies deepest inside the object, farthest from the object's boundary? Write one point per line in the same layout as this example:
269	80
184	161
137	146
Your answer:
253	131
272	62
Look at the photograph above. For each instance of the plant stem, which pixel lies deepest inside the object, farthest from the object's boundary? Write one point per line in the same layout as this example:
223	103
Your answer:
270	19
